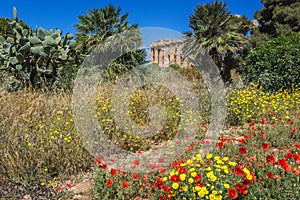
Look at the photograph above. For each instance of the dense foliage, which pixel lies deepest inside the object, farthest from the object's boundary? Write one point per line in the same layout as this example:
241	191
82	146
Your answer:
218	32
99	24
35	57
275	64
279	17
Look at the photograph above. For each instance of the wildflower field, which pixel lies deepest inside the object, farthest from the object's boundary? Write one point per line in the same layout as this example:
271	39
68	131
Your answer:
257	156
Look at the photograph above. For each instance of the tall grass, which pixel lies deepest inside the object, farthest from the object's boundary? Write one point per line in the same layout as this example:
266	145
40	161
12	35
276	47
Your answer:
38	143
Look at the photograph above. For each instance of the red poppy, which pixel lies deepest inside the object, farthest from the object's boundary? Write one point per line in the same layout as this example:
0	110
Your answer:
252	158
135	177
109	183
122	172
246	136
159	184
241	189
163	197
270	159
198	178
68	185
242	140
163	170
125	184
139	152
167	189
98	160
259	163
104	166
175	178
238	170
265	146
295	171
252	123
136	162
297	146
261	179
269	175
232	193
182	170
290	122
297	158
289	154
154	166
189	149
243	150
199	184
220	144
113	172
283	163
58	188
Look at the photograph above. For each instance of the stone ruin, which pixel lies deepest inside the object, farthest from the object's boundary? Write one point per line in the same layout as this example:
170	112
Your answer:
168	51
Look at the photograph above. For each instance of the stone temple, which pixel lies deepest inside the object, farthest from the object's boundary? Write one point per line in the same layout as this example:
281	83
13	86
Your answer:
166	52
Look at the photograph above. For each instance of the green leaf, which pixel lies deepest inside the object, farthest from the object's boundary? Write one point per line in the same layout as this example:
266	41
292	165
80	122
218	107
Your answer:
36	49
25	32
2	39
10	40
63	56
19	67
69	36
35	40
58	40
25	47
72	44
6	47
13	60
20	58
50	41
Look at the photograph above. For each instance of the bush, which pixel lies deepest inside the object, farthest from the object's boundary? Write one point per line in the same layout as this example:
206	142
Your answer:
175	66
275	64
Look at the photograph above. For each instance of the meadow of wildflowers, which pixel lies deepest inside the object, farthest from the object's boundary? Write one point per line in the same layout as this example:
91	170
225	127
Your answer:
256	157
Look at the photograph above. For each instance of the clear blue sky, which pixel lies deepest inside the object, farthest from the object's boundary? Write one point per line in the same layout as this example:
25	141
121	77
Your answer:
63	14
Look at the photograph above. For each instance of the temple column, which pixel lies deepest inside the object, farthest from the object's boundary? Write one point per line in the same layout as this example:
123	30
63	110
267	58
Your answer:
152	55
156	52
161	57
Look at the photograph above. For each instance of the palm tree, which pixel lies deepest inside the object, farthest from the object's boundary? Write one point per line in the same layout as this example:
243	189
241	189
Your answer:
218	32
99	24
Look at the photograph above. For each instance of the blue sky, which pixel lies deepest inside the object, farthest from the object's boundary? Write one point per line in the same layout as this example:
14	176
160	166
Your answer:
63	14
170	18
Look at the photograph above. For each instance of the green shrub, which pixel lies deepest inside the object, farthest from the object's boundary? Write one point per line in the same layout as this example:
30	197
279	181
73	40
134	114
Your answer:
175	66
37	58
275	65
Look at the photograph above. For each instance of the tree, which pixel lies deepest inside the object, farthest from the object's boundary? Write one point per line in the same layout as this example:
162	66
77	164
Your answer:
275	64
279	17
218	32
99	24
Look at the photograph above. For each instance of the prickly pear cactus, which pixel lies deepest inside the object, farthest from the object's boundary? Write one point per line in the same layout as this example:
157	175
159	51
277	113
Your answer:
35	57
